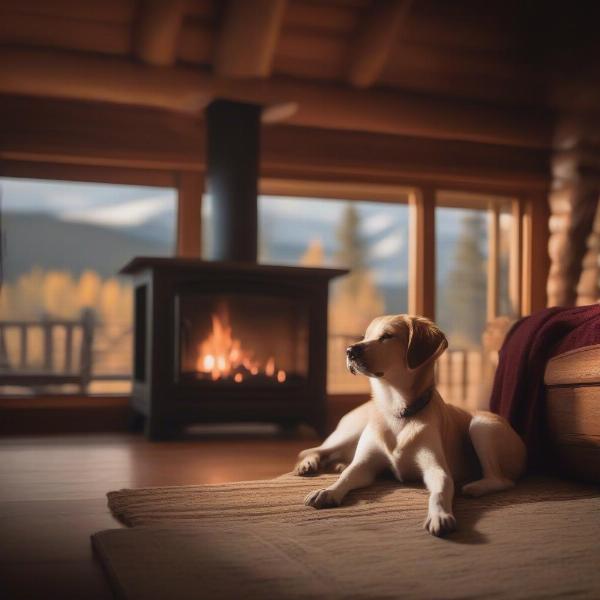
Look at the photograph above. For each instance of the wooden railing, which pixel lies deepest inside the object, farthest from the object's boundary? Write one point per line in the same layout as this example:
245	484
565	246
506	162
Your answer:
459	376
66	355
54	360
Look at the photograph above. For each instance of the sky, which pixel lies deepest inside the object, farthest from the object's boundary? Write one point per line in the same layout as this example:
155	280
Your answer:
105	204
287	225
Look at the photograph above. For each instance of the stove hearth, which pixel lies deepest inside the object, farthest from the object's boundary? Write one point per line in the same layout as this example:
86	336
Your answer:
220	342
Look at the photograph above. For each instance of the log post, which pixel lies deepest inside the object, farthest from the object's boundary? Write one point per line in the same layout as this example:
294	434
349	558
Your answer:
573	204
588	288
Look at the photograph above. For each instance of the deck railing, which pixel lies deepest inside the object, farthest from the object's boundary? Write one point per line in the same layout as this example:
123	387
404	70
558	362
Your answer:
93	356
84	353
61	355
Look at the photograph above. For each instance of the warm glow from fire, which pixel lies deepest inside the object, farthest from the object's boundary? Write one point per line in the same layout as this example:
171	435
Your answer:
222	356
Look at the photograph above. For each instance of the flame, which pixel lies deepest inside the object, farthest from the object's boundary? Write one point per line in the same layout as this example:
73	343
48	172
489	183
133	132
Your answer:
222	356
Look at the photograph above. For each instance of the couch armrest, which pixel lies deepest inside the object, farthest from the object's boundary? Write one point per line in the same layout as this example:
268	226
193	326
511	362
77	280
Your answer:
576	367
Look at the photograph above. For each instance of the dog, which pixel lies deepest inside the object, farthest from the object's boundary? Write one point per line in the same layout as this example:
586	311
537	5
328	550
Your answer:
409	429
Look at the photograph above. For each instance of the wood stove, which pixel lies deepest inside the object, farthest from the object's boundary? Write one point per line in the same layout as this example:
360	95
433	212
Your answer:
229	340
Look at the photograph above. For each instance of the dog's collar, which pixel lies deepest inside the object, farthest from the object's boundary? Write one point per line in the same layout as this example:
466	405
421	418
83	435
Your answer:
417	406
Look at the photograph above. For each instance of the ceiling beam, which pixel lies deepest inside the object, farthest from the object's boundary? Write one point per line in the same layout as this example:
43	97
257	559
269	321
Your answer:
248	38
84	133
43	73
157	31
375	41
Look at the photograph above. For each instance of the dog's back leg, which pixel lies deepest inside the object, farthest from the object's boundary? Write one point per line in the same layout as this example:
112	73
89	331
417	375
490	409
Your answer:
501	454
339	447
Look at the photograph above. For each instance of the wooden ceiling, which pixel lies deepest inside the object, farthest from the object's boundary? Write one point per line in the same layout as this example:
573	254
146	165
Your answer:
494	71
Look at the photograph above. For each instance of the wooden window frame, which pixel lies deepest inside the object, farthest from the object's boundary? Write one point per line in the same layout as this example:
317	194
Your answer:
528	246
492	204
528	263
189	186
420	256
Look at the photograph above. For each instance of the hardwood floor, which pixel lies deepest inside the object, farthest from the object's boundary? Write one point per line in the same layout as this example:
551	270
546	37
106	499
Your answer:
52	497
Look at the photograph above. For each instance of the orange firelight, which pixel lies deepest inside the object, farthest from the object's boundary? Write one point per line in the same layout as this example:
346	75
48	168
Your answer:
222	356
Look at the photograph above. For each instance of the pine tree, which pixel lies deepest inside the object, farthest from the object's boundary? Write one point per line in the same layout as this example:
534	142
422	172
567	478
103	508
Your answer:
466	284
356	299
351	251
314	255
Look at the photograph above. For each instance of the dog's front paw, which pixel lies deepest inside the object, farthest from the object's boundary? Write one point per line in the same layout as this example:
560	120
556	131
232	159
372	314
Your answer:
440	523
321	499
307	466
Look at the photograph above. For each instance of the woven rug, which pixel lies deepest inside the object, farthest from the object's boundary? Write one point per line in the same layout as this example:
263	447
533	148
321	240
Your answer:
256	540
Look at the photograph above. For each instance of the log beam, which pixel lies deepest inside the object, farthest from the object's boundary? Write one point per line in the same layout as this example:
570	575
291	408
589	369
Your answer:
75	76
50	130
375	41
248	38
157	31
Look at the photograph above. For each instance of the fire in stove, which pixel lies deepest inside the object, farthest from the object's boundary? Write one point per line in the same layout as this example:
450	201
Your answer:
221	356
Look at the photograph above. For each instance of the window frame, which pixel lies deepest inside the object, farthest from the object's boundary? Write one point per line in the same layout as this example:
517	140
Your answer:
528	269
492	205
529	208
189	186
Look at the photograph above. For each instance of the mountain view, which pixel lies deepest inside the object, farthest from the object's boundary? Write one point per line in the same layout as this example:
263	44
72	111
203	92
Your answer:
63	245
74	227
53	244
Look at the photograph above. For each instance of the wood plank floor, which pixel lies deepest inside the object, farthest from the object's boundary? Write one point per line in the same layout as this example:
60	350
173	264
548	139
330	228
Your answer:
52	497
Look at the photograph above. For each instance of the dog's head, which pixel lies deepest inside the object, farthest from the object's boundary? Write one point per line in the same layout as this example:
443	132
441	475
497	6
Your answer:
396	348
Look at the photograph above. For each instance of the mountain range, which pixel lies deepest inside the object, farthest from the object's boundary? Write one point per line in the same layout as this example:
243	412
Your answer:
52	242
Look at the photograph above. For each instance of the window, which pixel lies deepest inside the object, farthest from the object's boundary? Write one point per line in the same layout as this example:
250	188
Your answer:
473	285
369	238
65	314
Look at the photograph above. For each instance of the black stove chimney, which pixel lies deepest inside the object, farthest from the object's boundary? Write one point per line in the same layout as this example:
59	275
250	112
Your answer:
233	135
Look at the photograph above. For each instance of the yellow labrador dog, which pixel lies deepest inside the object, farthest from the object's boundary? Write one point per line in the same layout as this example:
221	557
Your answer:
409	429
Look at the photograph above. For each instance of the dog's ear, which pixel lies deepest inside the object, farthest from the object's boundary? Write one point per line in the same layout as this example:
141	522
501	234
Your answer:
425	342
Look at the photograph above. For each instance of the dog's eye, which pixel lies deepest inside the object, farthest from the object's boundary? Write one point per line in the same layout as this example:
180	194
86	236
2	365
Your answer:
385	336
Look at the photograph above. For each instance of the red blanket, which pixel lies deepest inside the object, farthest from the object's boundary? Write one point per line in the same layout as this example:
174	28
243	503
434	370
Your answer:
518	392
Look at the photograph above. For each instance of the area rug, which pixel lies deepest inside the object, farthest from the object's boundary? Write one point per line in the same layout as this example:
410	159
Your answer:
257	540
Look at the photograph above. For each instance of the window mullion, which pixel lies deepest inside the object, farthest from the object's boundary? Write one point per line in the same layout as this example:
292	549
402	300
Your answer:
421	285
515	270
493	265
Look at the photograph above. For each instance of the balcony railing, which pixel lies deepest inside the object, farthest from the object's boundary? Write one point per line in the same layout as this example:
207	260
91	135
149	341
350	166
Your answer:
97	358
50	353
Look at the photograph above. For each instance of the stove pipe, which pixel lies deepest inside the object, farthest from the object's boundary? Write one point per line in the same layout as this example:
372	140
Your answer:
233	134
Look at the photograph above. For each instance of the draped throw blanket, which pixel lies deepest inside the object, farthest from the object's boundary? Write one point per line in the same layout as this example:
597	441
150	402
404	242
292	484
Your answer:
518	391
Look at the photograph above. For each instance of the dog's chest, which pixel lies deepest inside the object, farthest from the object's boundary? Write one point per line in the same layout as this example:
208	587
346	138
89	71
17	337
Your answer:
400	448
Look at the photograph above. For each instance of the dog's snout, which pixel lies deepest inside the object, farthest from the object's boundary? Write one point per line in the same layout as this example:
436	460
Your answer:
354	351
